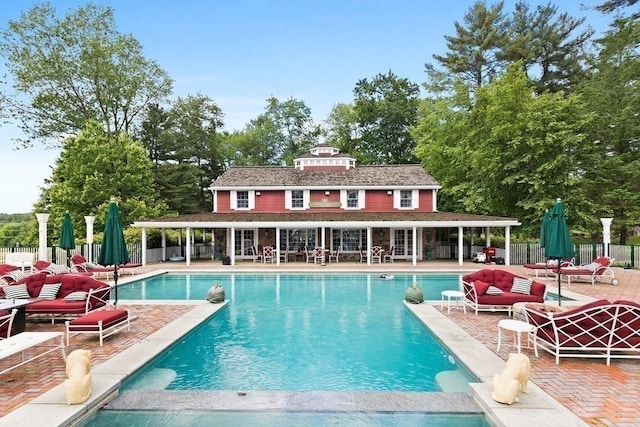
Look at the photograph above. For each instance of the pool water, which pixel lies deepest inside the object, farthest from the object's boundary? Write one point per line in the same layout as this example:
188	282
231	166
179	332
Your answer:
287	419
305	332
194	286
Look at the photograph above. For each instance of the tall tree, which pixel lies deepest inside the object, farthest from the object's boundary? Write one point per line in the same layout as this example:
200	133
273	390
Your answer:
474	52
507	152
342	129
72	69
612	161
549	45
386	108
93	167
286	129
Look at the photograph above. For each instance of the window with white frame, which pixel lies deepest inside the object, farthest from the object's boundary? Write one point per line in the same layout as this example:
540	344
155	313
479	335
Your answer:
242	200
297	199
352	199
406	199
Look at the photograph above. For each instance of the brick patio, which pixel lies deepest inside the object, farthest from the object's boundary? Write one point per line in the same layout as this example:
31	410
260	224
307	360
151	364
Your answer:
597	393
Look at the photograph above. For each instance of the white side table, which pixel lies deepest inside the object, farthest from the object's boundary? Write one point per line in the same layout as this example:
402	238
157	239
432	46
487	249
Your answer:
457	296
517	327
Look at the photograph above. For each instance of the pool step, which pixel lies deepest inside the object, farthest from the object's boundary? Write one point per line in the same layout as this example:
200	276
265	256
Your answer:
176	400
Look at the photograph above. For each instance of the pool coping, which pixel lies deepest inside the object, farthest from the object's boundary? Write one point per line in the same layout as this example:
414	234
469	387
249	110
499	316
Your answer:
51	409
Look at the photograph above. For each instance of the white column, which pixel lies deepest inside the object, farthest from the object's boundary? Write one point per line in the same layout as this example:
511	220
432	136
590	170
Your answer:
231	244
42	235
164	244
487	233
460	246
606	234
188	248
415	246
507	245
144	246
89	221
369	235
278	245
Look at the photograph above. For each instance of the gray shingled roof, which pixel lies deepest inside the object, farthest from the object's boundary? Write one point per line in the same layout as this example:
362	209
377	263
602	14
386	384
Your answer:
351	216
383	176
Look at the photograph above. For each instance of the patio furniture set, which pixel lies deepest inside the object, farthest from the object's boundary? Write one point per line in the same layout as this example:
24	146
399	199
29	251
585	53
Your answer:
599	329
79	299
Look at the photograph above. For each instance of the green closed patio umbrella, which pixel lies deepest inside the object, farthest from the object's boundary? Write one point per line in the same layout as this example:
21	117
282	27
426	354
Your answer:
67	240
114	249
558	244
544	229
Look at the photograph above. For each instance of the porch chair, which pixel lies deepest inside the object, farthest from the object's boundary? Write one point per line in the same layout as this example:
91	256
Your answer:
256	256
363	254
335	255
267	252
284	255
388	256
6	322
376	254
318	255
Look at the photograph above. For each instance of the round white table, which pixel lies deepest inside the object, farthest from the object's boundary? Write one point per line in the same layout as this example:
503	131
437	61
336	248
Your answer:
518	328
457	296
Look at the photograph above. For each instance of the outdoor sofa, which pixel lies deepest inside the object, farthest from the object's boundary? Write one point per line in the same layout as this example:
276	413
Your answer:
498	290
599	329
75	296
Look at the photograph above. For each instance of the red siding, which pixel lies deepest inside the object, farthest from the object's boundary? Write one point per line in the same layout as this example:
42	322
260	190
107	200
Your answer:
270	201
375	201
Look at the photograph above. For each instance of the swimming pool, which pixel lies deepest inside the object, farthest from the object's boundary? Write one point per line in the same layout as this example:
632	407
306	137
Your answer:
304	332
194	286
314	336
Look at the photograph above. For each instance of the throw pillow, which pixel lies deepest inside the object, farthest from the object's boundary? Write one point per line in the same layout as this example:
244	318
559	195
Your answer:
58	269
521	286
49	291
593	266
492	290
481	287
16	275
76	296
16	292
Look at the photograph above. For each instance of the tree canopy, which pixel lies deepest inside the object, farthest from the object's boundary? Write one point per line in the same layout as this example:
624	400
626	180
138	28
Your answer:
67	70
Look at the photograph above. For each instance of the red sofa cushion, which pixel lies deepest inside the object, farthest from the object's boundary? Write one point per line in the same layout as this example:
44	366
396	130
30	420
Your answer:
57	306
90	321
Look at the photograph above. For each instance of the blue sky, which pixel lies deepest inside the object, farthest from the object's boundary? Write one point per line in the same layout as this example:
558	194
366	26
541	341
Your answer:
239	53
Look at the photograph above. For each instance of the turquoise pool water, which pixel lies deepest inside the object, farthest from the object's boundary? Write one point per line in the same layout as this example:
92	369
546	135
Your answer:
297	333
304	332
194	286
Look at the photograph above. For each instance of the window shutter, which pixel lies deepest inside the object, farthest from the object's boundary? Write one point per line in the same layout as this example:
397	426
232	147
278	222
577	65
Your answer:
361	195
252	199
233	200
396	199
343	199
287	199
415	199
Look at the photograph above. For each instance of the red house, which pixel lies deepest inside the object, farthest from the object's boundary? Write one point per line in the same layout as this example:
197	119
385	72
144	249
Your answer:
327	202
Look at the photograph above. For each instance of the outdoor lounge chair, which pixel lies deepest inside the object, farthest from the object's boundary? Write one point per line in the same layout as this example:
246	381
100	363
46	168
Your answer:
549	267
80	264
597	271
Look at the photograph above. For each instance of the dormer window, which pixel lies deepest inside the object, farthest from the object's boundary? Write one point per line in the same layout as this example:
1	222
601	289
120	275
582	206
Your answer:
297	199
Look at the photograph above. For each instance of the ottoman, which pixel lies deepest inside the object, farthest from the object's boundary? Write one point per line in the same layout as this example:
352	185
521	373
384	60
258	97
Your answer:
103	323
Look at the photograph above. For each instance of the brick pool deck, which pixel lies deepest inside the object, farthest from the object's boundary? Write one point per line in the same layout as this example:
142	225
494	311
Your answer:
600	395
